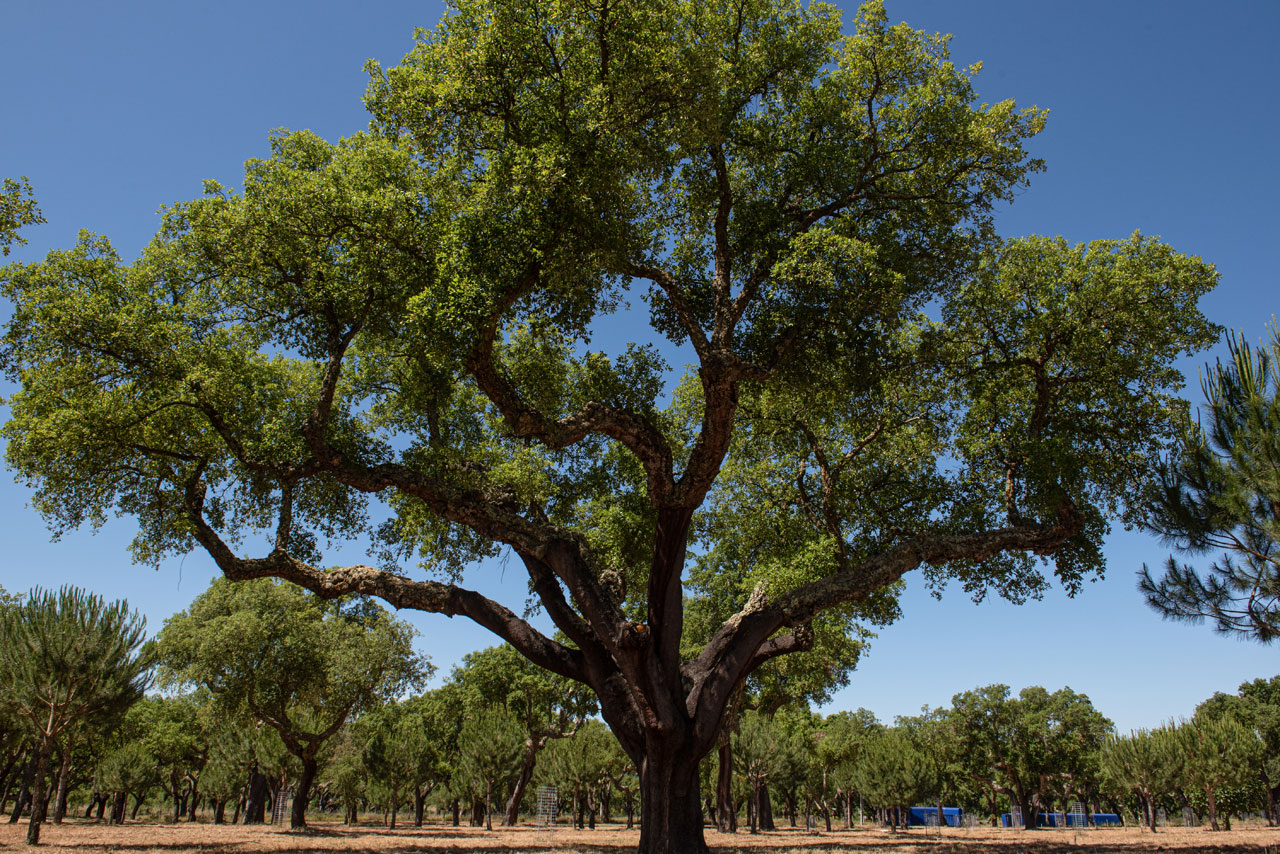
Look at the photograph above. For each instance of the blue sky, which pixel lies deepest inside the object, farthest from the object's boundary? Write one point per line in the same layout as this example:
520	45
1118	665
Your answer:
1162	119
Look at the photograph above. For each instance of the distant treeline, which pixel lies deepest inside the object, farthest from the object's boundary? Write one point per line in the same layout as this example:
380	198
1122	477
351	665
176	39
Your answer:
269	697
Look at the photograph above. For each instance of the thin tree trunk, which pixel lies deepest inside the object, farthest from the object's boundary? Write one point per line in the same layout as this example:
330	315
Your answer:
193	796
12	771
38	798
726	815
764	808
1213	810
512	813
64	777
24	790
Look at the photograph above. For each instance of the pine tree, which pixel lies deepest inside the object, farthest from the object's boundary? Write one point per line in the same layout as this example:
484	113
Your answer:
1146	763
1221	491
68	657
491	746
1220	754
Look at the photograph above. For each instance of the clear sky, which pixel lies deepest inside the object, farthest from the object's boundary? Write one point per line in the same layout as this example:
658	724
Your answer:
1163	118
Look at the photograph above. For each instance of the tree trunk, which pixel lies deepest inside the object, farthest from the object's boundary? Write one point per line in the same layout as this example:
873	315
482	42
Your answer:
193	797
764	808
726	815
1213	810
64	777
302	794
119	802
24	790
670	806
457	812
419	805
512	813
38	799
137	805
220	811
12	770
1028	807
255	807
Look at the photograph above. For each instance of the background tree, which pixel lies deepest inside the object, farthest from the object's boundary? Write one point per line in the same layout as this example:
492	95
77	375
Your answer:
933	732
623	779
490	752
1146	763
127	771
298	664
547	705
408	314
223	779
578	767
798	729
443	712
1220	754
983	718
1259	709
346	775
399	753
173	731
1220	491
893	773
68	657
759	748
843	736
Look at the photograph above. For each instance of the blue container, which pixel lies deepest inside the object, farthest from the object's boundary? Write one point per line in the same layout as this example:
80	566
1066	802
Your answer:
1057	819
953	816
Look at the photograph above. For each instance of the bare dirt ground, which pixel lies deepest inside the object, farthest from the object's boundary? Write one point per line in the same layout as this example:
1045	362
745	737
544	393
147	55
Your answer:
85	837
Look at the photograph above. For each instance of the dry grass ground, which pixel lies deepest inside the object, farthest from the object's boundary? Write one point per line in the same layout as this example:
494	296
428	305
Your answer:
83	837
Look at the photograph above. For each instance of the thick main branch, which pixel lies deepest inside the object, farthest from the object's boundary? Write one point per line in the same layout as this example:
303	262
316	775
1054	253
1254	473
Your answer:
728	657
396	590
